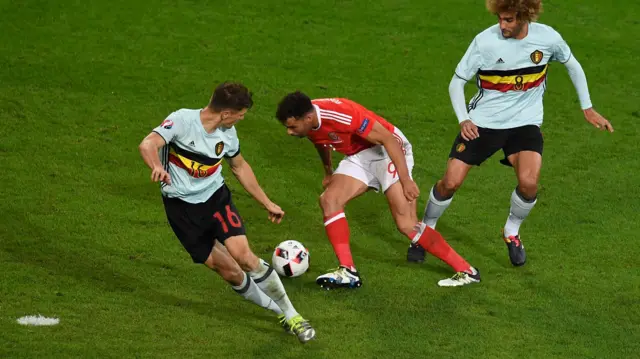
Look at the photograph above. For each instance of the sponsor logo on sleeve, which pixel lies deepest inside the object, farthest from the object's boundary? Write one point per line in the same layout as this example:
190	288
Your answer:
167	124
364	125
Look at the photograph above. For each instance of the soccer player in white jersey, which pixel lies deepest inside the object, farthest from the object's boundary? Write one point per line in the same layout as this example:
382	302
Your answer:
509	62
192	144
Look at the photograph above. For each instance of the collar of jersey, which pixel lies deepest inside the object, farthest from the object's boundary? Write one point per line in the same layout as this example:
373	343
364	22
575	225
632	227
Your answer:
207	134
319	118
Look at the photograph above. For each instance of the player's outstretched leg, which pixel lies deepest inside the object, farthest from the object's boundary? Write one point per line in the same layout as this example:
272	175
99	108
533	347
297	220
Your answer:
434	243
269	282
222	263
404	214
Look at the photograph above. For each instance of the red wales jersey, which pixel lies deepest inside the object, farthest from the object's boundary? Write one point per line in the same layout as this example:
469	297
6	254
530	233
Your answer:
344	125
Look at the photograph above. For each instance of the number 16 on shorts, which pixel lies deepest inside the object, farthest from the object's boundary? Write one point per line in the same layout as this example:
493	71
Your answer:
229	222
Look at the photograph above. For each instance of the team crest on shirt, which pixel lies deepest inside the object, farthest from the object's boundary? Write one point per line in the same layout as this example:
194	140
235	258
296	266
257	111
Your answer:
460	147
219	148
167	124
334	137
536	56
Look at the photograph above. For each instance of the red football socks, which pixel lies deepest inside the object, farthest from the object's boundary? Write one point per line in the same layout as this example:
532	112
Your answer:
338	232
433	242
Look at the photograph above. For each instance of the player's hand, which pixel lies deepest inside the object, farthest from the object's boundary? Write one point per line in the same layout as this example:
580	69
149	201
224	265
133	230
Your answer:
469	130
159	174
275	212
597	120
410	189
326	180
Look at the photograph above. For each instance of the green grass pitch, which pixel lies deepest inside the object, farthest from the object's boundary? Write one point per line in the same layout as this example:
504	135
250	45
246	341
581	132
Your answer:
83	234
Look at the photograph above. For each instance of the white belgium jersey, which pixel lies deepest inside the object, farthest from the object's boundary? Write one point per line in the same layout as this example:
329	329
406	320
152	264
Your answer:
511	75
194	157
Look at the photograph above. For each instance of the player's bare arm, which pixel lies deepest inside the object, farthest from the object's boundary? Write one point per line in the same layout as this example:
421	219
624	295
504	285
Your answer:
149	151
381	136
325	156
244	173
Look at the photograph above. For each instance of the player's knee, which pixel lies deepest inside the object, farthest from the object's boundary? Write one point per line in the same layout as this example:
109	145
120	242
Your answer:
248	261
234	276
448	186
330	203
230	273
528	187
227	269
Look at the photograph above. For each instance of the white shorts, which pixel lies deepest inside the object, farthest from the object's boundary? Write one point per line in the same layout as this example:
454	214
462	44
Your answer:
373	166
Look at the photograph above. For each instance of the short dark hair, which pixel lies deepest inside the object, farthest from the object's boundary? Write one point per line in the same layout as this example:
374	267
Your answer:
231	96
295	104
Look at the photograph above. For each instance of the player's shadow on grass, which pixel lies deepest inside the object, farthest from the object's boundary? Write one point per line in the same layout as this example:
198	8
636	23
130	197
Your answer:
98	274
477	243
146	192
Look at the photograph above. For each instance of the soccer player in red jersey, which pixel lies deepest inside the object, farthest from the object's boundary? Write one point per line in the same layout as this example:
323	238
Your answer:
378	156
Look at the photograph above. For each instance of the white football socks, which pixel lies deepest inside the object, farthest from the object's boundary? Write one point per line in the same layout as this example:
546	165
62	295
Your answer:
250	291
269	282
519	210
435	209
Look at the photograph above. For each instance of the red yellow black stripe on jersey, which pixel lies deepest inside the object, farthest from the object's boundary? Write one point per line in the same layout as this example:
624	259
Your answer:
512	80
195	164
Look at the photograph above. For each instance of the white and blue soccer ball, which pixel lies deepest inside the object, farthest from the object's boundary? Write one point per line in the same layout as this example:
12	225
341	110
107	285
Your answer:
290	259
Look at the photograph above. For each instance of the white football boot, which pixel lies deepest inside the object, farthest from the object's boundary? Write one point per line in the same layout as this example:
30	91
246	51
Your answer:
461	278
340	278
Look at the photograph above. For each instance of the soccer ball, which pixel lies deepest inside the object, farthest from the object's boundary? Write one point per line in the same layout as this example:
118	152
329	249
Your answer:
290	259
